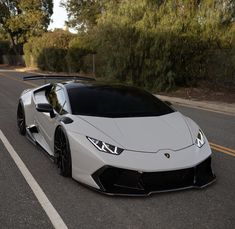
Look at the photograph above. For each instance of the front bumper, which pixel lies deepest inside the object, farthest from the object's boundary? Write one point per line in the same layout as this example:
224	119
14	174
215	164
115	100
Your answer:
112	180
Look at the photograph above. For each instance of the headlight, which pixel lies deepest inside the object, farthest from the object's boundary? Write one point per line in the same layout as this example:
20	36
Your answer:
200	141
105	147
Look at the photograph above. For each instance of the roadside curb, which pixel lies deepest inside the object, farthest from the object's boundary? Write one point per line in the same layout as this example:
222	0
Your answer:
223	108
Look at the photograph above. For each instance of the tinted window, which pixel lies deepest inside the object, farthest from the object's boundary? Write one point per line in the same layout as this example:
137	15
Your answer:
115	101
56	97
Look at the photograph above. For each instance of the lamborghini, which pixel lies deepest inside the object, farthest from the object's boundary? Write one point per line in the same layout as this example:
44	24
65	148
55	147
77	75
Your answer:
116	139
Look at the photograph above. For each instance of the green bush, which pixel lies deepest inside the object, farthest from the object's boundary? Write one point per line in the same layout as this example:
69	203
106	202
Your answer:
77	56
49	51
58	51
160	46
154	44
155	60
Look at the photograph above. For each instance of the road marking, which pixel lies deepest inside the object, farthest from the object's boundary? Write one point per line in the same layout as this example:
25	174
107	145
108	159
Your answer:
51	212
19	80
222	149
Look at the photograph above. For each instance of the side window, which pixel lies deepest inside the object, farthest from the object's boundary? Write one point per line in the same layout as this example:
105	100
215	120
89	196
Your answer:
57	99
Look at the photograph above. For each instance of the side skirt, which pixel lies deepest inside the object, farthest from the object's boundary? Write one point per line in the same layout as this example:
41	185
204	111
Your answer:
31	138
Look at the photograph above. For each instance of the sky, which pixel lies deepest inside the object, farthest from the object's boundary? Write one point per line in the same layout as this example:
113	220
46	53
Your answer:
59	16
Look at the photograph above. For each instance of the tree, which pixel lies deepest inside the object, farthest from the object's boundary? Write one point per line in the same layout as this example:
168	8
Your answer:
48	52
161	43
21	19
155	43
83	14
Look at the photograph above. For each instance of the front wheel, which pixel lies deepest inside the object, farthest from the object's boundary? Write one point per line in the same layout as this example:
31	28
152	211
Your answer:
21	119
62	152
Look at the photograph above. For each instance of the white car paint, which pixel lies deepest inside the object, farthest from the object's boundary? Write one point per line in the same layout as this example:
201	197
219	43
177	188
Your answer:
147	134
145	140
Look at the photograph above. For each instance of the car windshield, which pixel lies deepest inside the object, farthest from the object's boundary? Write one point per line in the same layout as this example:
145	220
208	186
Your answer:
115	102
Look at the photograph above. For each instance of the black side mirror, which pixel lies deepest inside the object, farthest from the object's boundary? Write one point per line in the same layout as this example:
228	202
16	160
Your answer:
168	103
45	107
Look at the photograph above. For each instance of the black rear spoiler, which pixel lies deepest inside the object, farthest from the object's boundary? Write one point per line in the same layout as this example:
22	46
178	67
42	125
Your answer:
59	77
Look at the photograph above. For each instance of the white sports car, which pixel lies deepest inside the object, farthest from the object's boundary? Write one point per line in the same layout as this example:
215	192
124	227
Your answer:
114	138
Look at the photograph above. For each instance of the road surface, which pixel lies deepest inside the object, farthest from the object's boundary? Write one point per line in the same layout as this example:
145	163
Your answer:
79	207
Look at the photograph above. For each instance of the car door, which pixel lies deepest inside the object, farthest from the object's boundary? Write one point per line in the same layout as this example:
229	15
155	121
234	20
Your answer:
56	97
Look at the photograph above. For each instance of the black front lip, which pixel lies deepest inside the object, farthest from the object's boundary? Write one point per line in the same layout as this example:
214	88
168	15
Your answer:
130	194
116	181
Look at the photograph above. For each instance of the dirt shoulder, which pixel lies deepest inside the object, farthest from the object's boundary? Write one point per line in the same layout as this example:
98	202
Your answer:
222	94
206	96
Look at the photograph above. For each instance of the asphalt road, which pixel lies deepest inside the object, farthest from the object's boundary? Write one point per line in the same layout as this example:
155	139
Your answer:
79	207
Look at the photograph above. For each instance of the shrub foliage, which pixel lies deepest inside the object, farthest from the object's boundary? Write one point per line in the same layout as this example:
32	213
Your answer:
58	51
154	44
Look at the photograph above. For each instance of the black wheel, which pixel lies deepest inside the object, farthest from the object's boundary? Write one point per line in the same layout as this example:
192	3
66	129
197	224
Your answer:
62	152
21	119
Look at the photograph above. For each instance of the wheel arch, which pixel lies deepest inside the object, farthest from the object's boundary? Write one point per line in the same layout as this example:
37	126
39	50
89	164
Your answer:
68	142
66	134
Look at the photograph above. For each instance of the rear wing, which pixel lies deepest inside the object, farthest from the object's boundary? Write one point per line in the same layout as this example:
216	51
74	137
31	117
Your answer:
57	77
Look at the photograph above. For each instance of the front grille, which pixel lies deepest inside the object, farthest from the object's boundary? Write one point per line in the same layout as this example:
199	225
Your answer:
168	180
123	181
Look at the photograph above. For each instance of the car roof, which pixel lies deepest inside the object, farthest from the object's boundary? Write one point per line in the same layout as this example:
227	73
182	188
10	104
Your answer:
94	84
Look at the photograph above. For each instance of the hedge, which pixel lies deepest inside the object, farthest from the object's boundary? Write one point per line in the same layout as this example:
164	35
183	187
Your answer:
58	51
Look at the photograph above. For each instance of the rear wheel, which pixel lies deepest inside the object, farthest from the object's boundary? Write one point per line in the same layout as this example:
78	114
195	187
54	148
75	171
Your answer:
62	152
21	119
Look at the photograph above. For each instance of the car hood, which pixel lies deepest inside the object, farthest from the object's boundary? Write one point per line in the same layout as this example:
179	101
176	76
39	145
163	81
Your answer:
147	134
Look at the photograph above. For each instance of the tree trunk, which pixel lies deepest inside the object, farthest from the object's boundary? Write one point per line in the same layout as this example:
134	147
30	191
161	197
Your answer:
14	45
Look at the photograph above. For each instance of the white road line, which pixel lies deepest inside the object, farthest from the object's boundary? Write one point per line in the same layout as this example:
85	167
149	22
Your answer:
51	212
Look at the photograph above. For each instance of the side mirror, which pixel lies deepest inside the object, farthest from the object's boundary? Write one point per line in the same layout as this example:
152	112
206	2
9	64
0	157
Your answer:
45	107
168	103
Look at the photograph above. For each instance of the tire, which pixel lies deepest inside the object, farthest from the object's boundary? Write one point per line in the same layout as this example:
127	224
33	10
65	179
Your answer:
21	119
62	152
